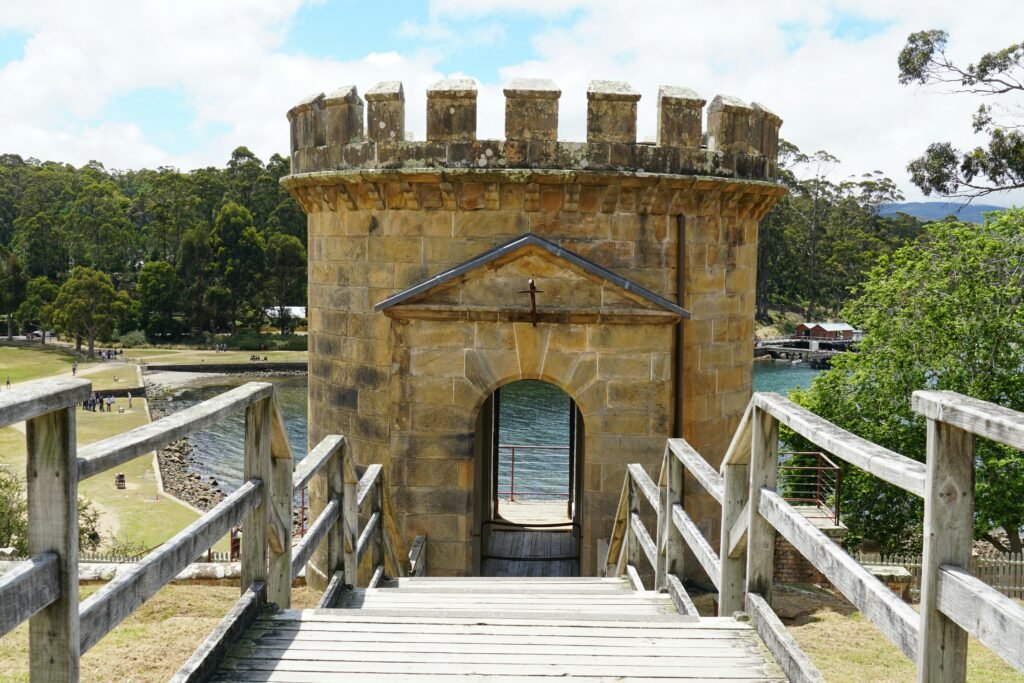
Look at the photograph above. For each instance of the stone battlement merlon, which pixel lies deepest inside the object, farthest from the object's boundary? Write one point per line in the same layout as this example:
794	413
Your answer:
741	140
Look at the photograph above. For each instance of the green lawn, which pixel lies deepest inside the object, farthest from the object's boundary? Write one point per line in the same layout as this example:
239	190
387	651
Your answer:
192	356
21	364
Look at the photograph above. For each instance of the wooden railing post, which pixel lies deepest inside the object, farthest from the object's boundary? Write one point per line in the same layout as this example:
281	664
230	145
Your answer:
633	550
672	549
378	506
52	471
764	465
257	465
350	522
335	480
948	533
279	571
732	582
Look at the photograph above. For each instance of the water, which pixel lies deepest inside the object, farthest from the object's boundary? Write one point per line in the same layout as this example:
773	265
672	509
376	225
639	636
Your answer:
218	451
781	377
532	413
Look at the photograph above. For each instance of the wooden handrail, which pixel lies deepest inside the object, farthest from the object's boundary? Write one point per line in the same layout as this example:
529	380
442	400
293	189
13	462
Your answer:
313	463
28	588
887	465
315	535
25	401
973	415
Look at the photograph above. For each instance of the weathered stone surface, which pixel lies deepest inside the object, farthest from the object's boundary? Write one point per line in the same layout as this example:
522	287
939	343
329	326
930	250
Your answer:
680	111
451	110
343	110
611	112
385	121
732	126
531	109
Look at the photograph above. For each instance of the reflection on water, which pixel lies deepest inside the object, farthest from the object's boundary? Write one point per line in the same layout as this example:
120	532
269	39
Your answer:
218	451
534	413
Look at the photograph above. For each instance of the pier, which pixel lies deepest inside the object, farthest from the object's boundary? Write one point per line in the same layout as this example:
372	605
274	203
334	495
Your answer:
383	617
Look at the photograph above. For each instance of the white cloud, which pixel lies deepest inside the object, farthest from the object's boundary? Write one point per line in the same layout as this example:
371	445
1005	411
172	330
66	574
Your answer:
228	59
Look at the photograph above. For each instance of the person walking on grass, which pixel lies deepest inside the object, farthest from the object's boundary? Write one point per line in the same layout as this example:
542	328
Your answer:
129	399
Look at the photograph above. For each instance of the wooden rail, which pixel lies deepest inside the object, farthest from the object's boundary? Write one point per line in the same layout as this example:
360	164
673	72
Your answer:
954	604
44	589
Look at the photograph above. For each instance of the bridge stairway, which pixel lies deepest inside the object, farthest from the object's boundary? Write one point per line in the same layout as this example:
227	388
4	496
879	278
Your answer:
495	630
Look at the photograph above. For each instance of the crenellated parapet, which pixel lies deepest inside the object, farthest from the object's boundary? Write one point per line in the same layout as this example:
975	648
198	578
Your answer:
740	140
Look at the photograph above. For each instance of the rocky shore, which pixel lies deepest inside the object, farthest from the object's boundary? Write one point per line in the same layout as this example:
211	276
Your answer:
174	460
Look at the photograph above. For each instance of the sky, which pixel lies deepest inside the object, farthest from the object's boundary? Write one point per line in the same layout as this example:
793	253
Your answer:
148	83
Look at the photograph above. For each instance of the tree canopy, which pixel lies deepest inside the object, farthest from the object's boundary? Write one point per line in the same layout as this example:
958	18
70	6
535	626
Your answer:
819	240
997	166
945	313
55	217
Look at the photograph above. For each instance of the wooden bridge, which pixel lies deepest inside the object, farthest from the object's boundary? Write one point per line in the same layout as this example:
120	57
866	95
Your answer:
638	623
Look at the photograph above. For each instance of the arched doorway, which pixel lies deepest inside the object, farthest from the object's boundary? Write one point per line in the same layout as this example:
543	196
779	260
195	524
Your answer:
530	446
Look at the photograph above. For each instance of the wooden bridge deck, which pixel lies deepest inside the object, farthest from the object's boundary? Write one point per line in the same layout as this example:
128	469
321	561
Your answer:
496	630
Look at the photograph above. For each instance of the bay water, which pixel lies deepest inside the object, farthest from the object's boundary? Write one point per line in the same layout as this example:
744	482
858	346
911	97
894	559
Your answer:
533	413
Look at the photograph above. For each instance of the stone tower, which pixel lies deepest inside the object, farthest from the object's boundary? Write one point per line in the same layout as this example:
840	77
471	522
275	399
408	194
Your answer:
419	252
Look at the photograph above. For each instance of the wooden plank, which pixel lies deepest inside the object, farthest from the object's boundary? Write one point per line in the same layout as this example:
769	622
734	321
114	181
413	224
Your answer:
366	483
645	485
349	521
680	597
256	466
282	462
315	535
948	537
698	545
418	556
626	647
973	415
28	588
103	455
52	492
107	607
204	661
280	445
764	464
364	677
738	452
617	541
894	618
31	399
732	581
317	458
795	664
378	574
334	589
363	544
523	668
697	466
994	619
738	532
395	541
634	578
644	539
890	466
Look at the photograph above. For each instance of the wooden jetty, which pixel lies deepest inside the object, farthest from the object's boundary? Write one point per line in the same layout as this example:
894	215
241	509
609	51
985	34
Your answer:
382	618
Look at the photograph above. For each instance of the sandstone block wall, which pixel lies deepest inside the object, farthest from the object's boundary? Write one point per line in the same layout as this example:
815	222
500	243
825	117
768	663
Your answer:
405	385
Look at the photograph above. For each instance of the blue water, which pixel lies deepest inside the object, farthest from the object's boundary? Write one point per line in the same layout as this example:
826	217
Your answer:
532	413
780	377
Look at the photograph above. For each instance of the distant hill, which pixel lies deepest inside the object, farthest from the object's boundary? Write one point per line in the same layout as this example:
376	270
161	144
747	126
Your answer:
936	211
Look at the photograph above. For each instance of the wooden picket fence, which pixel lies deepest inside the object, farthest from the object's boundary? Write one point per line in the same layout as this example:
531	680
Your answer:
1004	573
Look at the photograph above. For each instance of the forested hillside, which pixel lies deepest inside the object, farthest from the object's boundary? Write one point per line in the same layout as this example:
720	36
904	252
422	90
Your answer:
819	241
91	250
